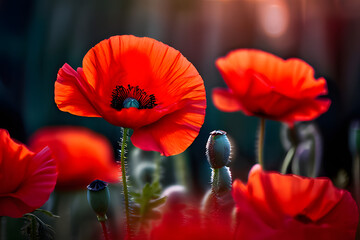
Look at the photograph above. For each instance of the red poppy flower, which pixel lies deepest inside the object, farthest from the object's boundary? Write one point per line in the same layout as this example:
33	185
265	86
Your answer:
81	155
264	85
275	206
165	92
26	178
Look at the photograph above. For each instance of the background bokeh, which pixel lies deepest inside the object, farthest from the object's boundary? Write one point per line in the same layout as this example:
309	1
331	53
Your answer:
38	36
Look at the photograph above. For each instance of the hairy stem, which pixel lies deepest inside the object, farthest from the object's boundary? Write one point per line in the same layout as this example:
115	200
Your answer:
124	178
215	180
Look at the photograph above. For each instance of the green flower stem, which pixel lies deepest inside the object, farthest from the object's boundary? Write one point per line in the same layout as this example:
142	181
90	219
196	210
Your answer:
215	180
157	171
181	170
261	138
289	156
125	187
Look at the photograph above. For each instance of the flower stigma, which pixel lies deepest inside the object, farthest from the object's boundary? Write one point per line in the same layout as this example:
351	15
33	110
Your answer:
131	102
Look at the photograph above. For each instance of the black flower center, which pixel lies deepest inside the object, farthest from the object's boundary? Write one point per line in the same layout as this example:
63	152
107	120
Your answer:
302	218
121	97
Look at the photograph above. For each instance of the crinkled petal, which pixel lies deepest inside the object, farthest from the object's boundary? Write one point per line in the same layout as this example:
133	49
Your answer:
72	93
36	188
173	133
293	195
27	179
268	86
307	111
225	100
153	66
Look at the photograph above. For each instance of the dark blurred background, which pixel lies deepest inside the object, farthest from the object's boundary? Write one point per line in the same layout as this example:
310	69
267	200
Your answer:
38	36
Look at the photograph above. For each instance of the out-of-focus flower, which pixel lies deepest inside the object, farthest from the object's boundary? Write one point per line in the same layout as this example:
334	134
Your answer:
137	83
81	155
261	84
181	220
26	178
275	206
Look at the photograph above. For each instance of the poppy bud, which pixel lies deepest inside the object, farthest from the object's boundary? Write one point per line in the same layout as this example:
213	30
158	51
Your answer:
144	173
218	149
98	196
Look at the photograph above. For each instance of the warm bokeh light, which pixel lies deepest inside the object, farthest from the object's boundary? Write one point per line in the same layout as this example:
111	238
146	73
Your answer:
273	17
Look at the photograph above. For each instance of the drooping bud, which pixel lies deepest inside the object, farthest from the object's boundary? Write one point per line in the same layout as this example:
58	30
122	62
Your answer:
98	196
218	149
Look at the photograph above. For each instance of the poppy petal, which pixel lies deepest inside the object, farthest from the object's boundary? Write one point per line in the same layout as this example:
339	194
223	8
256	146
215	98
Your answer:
70	93
144	62
313	198
307	111
27	178
267	86
89	154
173	133
225	100
301	80
42	169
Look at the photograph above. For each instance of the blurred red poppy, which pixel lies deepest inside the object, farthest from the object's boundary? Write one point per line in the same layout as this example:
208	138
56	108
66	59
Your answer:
264	85
185	222
26	178
166	92
275	206
82	155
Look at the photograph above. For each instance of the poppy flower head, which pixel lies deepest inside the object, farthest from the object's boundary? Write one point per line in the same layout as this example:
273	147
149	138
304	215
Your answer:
27	178
81	155
264	85
289	205
137	83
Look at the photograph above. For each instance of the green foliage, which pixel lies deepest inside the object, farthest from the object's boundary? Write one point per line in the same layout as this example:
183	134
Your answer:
35	229
146	202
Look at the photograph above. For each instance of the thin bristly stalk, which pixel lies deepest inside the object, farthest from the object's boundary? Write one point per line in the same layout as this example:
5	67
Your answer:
260	143
105	230
124	179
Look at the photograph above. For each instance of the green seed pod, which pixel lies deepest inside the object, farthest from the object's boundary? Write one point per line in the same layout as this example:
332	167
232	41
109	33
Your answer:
98	196
218	149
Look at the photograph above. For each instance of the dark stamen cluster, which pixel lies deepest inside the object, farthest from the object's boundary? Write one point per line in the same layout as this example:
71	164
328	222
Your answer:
120	93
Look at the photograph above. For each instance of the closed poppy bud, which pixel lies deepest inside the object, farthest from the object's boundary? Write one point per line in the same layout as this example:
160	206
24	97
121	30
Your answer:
98	196
218	149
